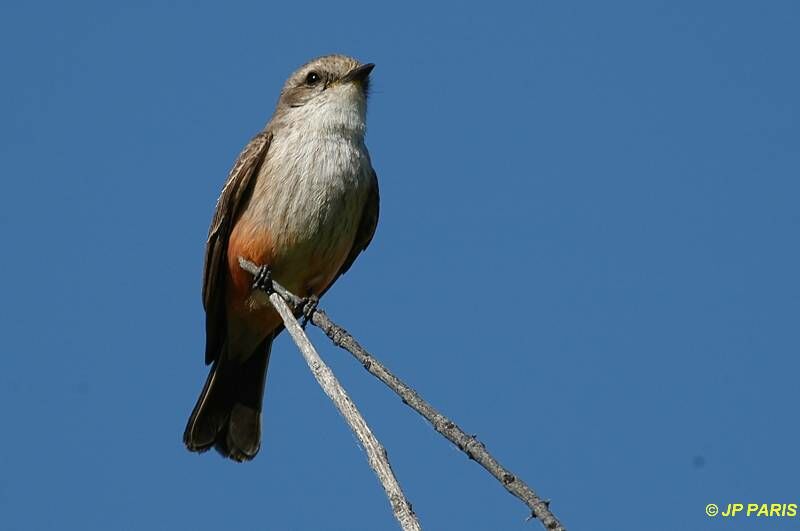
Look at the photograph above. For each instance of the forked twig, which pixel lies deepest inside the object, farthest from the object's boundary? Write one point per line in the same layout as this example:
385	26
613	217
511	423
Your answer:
468	444
376	453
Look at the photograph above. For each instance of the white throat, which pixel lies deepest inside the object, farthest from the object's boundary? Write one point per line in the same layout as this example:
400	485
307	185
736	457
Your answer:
342	109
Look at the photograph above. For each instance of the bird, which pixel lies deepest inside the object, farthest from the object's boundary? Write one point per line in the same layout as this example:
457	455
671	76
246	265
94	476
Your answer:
302	199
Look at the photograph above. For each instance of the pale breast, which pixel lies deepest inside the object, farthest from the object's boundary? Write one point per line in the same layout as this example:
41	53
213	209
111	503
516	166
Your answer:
307	204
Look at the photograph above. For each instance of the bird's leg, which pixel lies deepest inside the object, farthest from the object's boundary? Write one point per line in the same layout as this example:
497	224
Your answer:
263	279
310	304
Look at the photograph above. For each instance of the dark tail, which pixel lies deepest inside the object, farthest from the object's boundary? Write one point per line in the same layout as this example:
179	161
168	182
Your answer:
228	413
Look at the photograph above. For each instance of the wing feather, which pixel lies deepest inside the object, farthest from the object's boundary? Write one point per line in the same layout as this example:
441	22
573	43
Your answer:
232	199
366	227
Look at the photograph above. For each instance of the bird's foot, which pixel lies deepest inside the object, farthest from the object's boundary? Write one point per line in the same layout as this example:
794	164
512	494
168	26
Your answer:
263	279
310	304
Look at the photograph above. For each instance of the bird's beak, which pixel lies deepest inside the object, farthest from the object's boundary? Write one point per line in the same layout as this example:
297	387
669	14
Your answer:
359	73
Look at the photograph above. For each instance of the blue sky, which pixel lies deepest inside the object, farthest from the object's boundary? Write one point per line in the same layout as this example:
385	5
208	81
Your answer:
587	255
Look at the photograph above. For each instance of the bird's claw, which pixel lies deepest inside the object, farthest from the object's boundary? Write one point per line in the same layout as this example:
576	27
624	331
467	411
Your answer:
310	304
263	279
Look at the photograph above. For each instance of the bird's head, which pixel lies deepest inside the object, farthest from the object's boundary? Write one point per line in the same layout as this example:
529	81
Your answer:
329	92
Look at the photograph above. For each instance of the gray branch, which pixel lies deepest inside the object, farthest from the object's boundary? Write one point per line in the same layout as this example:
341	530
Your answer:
376	453
468	444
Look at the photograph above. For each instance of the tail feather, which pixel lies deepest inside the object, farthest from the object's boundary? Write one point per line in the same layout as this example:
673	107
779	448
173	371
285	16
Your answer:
227	415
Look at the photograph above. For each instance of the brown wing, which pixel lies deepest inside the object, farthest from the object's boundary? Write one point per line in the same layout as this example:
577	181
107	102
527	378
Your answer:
366	228
233	197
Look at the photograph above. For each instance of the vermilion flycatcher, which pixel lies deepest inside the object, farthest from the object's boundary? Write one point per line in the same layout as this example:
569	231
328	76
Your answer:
302	199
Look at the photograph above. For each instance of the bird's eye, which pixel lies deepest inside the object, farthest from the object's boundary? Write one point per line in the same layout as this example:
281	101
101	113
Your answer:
312	79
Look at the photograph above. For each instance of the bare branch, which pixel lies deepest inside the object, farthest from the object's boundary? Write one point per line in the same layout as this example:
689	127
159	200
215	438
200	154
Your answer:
376	453
468	444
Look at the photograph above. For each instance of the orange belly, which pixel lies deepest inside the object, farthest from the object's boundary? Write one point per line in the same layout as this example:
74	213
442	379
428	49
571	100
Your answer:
299	270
